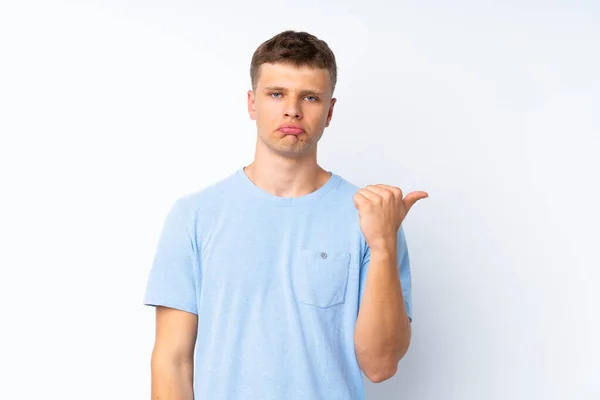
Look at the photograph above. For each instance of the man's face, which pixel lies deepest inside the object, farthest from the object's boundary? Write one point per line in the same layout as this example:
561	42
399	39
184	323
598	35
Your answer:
289	95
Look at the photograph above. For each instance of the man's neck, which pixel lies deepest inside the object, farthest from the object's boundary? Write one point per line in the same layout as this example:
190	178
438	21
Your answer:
287	178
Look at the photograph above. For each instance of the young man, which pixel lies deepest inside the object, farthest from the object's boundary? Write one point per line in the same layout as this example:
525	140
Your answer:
282	280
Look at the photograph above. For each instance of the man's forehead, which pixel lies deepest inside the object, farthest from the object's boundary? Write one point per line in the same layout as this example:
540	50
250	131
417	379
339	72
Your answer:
293	77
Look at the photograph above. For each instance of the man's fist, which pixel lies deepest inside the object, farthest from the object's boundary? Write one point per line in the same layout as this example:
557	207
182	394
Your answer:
381	210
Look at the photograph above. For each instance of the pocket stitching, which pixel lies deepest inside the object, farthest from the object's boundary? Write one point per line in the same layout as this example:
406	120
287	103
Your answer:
342	258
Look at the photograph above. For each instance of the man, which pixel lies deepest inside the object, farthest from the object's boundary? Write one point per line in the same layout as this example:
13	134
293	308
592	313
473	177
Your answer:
282	280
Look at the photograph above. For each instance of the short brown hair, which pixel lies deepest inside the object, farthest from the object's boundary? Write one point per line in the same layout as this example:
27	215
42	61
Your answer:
296	48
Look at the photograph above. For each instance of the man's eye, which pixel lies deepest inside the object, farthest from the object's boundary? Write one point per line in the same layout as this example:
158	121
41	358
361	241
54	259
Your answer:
274	94
312	99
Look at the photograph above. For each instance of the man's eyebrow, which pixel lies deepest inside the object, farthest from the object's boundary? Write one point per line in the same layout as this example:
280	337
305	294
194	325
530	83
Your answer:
304	92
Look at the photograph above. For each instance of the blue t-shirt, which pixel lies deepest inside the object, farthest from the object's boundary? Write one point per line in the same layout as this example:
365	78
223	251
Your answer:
276	284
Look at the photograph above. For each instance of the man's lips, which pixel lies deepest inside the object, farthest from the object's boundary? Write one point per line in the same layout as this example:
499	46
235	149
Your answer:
291	130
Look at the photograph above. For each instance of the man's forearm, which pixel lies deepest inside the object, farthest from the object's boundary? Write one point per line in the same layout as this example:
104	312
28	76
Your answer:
382	332
172	380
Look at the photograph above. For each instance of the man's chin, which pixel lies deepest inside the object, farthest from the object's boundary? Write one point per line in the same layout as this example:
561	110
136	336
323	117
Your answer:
291	151
291	146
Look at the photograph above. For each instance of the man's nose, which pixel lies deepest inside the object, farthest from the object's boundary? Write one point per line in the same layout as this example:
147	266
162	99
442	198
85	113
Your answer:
292	110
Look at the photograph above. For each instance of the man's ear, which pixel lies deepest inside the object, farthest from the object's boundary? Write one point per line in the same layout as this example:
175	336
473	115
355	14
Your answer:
251	109
330	113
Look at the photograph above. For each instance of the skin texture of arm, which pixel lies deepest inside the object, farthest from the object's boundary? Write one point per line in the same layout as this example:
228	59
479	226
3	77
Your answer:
383	332
172	361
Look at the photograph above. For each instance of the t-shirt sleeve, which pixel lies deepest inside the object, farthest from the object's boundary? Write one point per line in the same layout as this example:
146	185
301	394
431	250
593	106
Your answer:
171	282
404	271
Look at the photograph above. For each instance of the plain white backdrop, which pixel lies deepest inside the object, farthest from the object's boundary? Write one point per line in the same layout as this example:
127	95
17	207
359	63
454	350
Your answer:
111	110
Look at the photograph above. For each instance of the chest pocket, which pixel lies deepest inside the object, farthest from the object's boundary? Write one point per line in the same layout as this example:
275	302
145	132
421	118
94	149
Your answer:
320	278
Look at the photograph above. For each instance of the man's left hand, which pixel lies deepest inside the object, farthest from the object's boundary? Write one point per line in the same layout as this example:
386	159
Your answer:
381	210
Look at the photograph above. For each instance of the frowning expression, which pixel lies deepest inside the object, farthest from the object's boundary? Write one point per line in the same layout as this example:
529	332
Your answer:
292	106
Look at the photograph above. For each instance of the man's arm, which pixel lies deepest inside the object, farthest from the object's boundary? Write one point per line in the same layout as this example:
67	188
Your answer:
173	354
382	332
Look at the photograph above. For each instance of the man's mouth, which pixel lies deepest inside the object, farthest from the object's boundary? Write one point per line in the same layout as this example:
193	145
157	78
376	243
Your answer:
291	130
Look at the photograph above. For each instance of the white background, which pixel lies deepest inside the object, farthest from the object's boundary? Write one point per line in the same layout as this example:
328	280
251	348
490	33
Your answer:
111	110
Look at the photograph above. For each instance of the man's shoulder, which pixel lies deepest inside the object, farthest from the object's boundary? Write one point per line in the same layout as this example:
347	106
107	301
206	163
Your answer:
346	186
209	196
339	200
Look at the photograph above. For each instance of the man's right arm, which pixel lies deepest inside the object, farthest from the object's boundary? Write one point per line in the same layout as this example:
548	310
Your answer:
173	354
